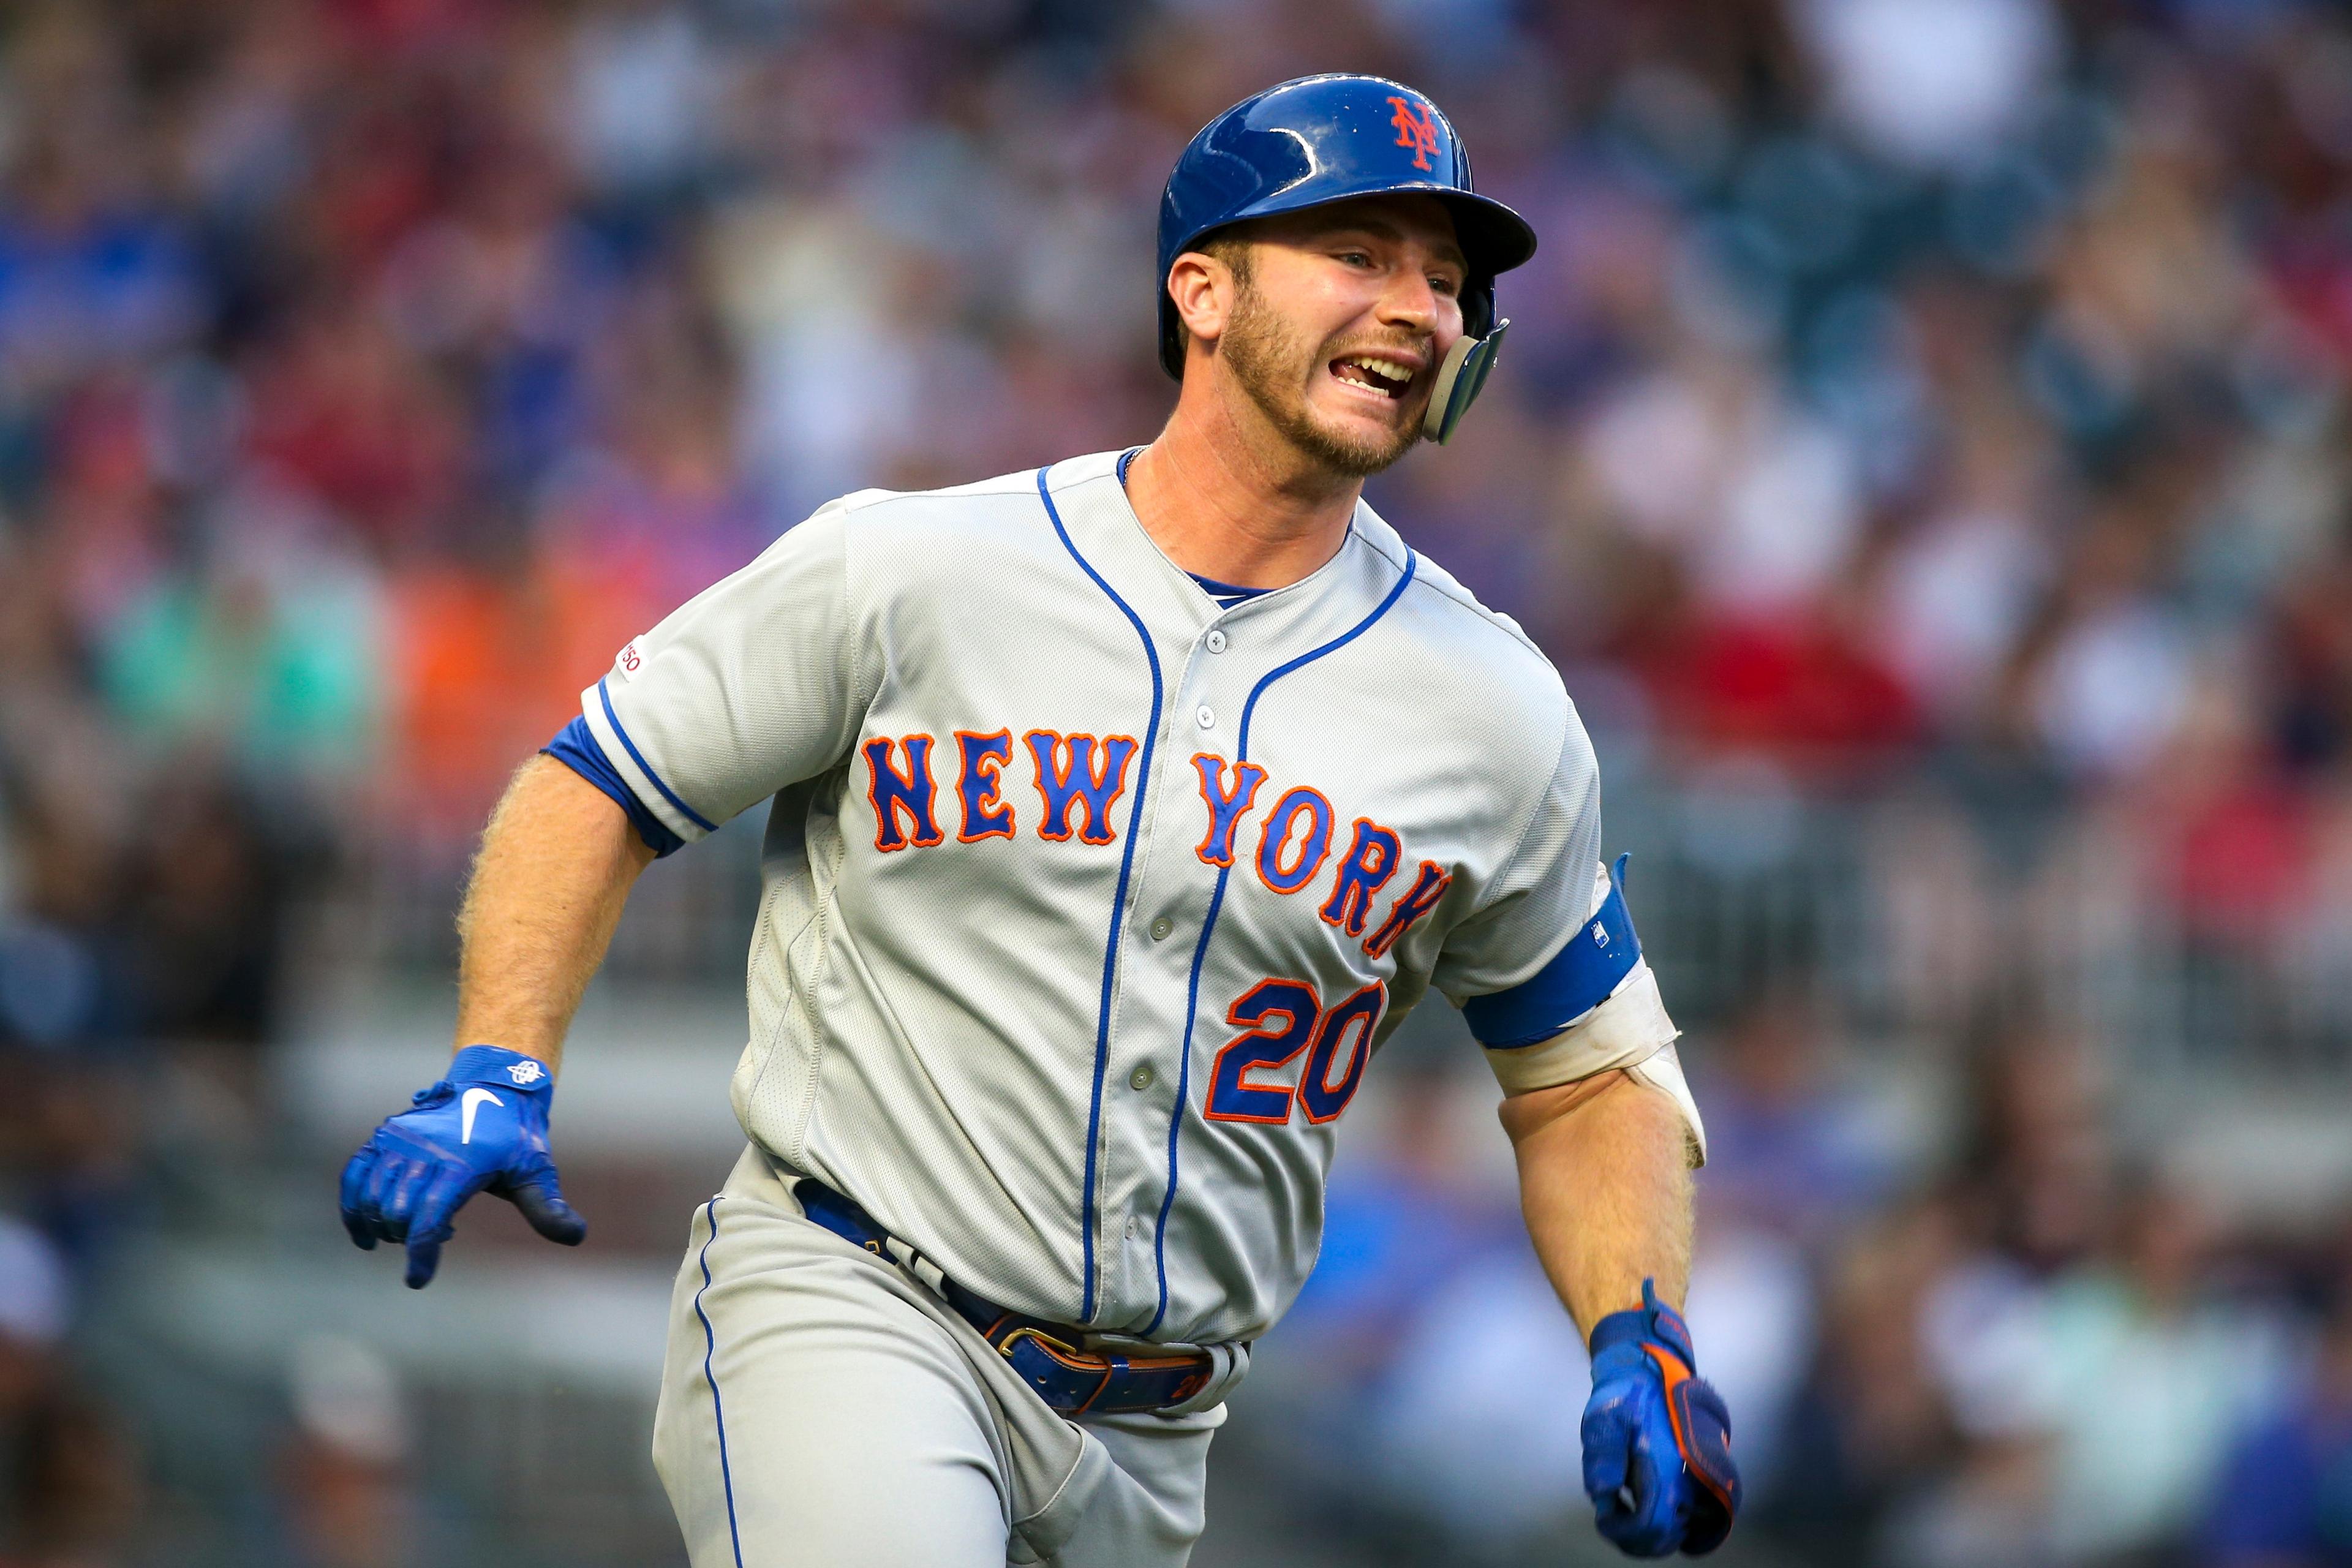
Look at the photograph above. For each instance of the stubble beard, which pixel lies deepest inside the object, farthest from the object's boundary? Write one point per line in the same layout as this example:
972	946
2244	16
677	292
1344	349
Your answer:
1265	358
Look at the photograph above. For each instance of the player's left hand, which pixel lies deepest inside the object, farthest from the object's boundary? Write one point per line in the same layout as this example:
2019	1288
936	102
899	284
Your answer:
1657	1439
482	1128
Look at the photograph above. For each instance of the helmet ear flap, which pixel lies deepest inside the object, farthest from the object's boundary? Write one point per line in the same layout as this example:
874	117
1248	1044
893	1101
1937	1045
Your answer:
1479	307
1464	371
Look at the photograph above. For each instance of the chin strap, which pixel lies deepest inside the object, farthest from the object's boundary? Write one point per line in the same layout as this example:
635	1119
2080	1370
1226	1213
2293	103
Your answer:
1465	369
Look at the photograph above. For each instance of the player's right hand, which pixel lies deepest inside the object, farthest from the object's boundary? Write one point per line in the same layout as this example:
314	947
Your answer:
482	1128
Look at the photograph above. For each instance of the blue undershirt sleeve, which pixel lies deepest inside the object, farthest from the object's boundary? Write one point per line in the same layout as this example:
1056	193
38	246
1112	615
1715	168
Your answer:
575	747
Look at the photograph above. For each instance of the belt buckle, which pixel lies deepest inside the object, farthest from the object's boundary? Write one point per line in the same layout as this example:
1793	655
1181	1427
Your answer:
1058	1348
1071	1357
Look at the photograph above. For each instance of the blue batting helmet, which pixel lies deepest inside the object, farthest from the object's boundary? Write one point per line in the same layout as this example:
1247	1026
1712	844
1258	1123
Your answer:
1323	138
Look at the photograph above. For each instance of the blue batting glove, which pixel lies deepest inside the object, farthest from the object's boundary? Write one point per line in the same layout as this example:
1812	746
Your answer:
1657	1440
483	1128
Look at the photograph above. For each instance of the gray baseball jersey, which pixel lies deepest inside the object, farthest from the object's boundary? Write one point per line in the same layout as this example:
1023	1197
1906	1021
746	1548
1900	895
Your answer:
1087	899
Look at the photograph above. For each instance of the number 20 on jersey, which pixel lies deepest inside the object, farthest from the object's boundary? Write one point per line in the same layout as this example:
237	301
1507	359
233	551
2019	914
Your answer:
1283	1020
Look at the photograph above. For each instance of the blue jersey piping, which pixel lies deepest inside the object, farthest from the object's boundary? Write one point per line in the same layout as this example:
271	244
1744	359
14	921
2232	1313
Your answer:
1216	902
717	1414
1118	901
638	757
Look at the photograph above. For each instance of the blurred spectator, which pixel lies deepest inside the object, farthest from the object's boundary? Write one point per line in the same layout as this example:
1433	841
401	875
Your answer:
1789	1149
343	1475
2039	1154
206	926
36	1298
72	1495
1870	1429
1937	83
2152	1373
1753	1299
78	1491
2284	1497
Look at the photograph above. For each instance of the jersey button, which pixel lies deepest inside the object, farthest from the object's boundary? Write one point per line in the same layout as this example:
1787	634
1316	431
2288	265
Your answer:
1161	928
1216	640
1141	1078
1206	717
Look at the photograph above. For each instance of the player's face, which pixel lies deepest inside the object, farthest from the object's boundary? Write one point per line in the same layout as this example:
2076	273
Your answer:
1326	290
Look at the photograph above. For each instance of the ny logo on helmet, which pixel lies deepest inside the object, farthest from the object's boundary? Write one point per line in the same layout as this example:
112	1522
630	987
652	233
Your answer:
1416	126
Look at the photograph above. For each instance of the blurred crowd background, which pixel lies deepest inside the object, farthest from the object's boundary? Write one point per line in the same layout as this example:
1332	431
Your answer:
1922	445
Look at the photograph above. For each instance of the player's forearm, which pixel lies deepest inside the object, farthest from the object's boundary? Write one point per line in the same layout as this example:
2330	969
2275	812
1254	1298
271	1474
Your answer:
556	865
1604	1182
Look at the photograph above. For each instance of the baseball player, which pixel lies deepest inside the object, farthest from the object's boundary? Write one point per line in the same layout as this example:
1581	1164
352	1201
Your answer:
1116	813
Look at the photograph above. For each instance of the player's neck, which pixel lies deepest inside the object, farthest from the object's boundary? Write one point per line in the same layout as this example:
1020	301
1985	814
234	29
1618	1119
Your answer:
1236	504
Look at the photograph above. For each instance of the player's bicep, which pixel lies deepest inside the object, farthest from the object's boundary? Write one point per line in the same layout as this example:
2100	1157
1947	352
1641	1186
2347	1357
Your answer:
748	687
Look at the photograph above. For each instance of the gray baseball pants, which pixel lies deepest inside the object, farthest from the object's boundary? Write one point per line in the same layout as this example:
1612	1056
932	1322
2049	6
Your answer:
820	1407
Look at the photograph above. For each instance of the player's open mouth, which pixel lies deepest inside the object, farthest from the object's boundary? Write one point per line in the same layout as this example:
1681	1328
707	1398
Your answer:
1374	372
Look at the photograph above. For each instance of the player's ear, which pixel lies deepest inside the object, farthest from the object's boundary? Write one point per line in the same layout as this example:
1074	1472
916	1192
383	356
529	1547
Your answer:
1203	289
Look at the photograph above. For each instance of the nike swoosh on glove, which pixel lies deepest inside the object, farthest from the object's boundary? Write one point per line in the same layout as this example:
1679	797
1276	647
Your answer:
481	1128
1657	1438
